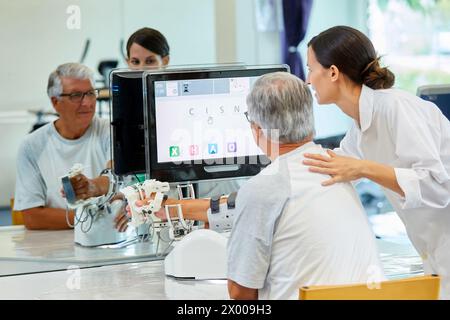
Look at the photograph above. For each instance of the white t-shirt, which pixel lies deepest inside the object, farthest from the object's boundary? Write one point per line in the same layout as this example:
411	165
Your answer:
290	232
45	156
411	135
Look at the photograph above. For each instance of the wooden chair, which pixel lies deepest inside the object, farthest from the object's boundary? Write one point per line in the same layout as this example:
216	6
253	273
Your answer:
16	216
414	288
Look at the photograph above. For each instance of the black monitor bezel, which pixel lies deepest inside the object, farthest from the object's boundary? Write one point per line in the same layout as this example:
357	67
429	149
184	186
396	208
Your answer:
121	163
175	173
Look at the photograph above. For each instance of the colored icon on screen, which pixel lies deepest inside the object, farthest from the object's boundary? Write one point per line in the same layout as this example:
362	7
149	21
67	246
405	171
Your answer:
213	148
174	151
194	150
232	147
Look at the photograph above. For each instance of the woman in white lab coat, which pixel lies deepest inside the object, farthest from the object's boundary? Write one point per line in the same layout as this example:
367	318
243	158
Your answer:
398	140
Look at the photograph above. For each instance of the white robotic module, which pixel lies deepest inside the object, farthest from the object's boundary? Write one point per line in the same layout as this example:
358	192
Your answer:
198	254
169	230
139	191
202	254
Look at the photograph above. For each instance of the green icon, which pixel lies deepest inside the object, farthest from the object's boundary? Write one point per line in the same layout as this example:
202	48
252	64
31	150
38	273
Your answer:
174	151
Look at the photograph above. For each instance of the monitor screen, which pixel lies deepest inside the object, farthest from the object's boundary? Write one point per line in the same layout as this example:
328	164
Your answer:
196	124
127	122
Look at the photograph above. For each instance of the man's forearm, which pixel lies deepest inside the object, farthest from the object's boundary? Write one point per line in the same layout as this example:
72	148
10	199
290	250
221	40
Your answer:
44	218
102	185
195	209
192	209
238	292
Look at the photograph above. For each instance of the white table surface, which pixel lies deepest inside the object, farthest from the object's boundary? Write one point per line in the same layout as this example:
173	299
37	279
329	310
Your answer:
143	280
26	251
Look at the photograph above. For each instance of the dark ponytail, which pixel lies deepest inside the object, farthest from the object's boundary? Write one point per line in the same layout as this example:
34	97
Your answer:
353	54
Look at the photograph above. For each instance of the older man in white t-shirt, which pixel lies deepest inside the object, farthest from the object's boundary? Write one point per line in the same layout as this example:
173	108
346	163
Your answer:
48	153
290	231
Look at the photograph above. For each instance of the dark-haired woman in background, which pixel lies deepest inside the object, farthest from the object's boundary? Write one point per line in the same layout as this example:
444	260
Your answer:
147	47
398	140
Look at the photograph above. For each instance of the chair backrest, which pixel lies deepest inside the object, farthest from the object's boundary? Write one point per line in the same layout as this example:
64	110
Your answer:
16	216
415	288
439	95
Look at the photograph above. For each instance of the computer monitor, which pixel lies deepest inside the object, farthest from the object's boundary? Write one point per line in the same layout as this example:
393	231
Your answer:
196	129
127	122
439	95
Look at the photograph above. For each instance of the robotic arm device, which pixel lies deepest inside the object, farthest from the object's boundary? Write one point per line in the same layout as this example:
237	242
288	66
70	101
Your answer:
198	254
221	216
202	254
175	227
94	217
139	191
71	199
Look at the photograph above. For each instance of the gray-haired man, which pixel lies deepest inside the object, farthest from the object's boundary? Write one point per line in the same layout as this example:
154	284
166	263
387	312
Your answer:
48	153
290	231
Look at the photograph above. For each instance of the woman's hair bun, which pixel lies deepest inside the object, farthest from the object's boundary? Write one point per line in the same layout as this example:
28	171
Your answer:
376	77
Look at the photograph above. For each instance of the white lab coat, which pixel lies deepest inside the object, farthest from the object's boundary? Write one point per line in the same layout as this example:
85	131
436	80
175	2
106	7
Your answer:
413	136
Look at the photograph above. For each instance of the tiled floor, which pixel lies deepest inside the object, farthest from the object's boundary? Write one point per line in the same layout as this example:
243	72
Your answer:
5	216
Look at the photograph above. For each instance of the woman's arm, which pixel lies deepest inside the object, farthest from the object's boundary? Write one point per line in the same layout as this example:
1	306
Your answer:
346	169
381	174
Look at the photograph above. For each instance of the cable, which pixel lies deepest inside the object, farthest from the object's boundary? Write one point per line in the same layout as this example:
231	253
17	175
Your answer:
91	221
137	177
67	218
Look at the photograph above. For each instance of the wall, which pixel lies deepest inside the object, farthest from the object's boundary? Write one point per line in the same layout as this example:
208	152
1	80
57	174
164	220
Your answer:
199	31
225	23
36	39
253	46
329	119
263	47
188	25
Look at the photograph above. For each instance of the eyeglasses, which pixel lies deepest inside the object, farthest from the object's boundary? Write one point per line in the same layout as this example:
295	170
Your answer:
248	118
78	96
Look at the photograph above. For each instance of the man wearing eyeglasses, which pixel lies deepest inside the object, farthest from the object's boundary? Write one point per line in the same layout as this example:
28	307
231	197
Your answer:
47	154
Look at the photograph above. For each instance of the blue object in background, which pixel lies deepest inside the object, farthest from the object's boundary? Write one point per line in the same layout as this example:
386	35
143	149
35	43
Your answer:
296	14
439	95
5	216
372	198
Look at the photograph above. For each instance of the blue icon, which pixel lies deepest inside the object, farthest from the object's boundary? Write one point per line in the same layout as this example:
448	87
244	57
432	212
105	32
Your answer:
213	148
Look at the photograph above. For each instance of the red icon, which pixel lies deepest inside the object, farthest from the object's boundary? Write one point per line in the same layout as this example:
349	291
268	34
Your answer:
194	150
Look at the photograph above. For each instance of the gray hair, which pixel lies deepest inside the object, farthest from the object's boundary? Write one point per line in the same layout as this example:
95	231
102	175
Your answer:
281	101
67	70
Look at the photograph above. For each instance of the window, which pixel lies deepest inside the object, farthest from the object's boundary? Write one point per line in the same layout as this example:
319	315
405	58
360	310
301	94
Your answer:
414	38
